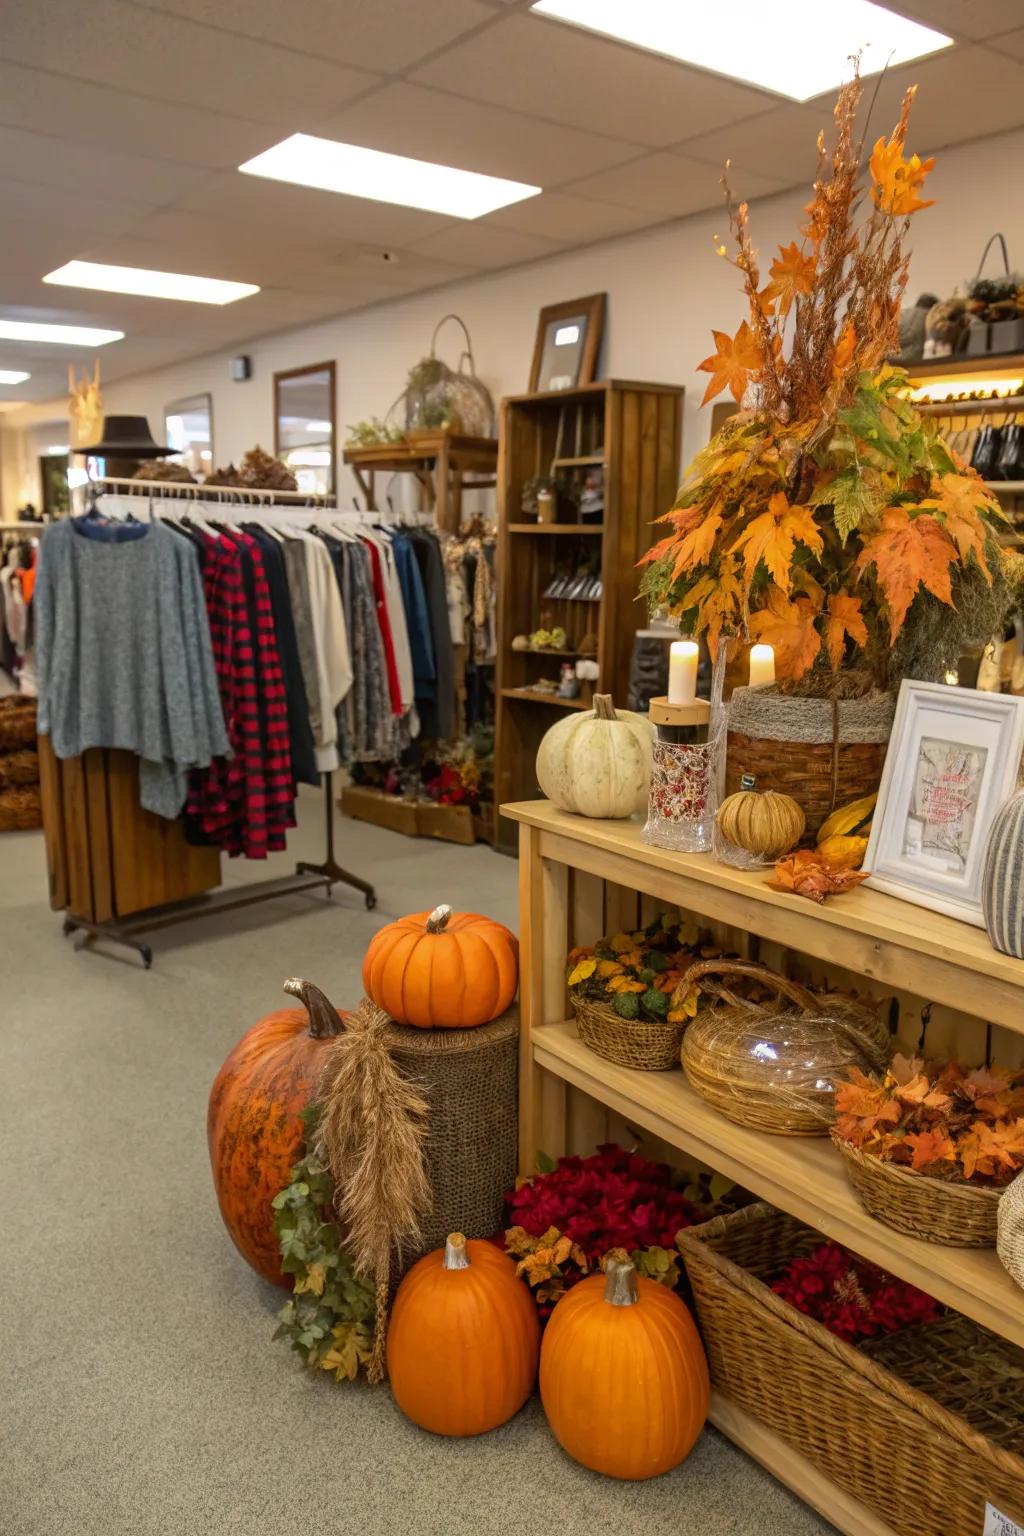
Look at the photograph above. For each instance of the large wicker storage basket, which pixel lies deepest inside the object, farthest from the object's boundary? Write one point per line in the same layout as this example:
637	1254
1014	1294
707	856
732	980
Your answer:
959	1215
841	746
924	1428
21	808
17	723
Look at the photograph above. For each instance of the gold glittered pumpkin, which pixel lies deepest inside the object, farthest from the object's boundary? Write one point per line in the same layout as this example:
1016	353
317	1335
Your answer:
762	822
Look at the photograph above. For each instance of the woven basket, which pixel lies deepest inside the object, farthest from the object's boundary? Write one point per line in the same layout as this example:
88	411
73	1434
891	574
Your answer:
788	1089
842	746
628	1042
470	1079
20	808
957	1215
923	1429
19	767
1010	1239
17	723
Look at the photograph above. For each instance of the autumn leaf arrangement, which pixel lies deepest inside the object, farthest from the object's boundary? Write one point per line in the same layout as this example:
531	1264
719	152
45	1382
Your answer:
636	973
939	1119
828	517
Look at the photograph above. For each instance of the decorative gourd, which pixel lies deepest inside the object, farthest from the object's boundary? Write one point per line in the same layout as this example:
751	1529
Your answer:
598	763
1002	890
442	969
463	1340
761	822
623	1377
252	1123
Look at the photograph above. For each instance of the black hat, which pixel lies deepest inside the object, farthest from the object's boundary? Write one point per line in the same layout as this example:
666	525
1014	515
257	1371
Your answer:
126	437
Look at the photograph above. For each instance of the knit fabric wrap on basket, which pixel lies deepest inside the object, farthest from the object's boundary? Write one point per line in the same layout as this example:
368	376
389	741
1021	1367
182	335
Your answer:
844	743
1010	1221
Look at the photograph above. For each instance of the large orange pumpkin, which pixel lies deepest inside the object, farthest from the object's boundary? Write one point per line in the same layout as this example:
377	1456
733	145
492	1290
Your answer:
623	1376
252	1123
442	969
463	1339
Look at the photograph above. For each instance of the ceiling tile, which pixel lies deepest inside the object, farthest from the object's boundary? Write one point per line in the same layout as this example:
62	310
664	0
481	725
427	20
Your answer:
364	34
78	214
570	220
966	18
111	42
776	144
264	205
96	114
670	185
116	174
431	125
1010	42
483	245
567	76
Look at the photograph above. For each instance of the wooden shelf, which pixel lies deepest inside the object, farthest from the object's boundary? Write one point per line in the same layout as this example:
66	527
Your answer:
867	931
576	528
579	461
968	407
1012	487
532	696
1010	363
800	1174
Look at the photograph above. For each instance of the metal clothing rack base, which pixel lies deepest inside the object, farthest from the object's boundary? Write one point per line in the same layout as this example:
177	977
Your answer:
307	877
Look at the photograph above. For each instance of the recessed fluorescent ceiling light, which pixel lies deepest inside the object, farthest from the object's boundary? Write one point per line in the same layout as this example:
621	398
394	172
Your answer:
383	178
149	285
66	335
798	48
12	376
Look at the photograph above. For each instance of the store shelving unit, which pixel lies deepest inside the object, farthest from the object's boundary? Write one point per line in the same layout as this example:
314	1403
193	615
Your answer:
579	878
633	431
444	464
995	371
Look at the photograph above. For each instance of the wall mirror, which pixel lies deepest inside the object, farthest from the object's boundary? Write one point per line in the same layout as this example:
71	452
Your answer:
188	427
304	407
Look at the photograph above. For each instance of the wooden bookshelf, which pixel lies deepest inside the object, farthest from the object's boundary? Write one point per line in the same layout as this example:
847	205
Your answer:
633	430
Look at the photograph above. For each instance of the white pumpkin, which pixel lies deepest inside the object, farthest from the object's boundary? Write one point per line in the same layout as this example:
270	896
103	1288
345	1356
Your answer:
598	763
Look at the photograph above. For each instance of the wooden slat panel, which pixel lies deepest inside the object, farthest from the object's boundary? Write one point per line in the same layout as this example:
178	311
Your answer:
100	859
587	1122
587	923
544	929
621	908
152	863
51	798
670	415
76	838
648	507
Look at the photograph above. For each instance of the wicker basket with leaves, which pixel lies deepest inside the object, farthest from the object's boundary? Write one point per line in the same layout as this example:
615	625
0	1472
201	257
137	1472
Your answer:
923	1426
624	991
772	1064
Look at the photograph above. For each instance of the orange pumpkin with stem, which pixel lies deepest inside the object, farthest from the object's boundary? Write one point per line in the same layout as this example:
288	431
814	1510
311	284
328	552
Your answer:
253	1128
623	1376
442	969
463	1339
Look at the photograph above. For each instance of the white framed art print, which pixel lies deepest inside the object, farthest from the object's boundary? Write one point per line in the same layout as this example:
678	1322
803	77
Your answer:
954	758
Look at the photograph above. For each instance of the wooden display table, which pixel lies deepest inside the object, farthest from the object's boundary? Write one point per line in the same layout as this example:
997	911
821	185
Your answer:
445	464
580	878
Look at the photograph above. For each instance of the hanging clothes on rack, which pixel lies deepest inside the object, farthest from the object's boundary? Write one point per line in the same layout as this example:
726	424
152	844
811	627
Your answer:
18	556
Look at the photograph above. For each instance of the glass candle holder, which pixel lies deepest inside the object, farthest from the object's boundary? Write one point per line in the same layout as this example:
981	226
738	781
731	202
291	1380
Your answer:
683	798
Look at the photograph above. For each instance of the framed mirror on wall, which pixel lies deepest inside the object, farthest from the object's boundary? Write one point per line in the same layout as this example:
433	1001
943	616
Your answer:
304	413
188	428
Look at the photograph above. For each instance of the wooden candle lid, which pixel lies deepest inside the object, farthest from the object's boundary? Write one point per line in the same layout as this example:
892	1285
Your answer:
663	713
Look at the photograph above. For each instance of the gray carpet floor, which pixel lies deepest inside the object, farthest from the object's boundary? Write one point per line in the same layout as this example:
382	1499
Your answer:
140	1392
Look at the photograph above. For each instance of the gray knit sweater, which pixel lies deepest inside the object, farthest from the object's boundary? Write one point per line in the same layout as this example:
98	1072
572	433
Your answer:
124	656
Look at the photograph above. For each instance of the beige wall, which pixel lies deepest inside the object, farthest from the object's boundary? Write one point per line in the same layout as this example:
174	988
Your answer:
666	289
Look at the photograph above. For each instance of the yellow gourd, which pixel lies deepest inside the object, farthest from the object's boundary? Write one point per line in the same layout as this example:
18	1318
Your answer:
761	822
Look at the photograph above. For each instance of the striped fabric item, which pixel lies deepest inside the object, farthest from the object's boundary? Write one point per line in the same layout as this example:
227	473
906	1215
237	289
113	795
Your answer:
1002	889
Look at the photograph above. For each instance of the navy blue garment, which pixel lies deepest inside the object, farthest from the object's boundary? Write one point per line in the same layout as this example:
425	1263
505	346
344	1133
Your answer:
417	620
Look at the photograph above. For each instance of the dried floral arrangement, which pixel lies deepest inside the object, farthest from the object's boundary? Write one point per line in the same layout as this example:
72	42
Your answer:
828	518
564	1221
938	1118
637	973
851	1297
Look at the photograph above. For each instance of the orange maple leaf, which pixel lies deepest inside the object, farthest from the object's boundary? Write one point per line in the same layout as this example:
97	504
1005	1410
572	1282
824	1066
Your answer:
697	545
957	506
789	628
717	600
842	357
895	181
929	1147
735	358
773	536
908	553
792	274
844	619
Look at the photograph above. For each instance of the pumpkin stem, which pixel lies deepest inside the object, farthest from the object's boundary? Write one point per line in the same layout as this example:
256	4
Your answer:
620	1287
455	1255
604	709
438	920
324	1020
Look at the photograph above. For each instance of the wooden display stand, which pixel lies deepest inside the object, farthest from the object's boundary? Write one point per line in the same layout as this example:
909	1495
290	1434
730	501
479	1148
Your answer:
632	430
579	879
445	465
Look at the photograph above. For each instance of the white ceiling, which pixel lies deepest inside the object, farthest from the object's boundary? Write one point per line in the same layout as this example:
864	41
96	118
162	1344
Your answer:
122	123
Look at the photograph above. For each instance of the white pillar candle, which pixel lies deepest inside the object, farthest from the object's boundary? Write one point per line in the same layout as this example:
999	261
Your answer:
682	671
762	665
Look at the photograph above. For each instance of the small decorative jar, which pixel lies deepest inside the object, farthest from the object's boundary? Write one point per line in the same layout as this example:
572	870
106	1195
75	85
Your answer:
683	798
1002	888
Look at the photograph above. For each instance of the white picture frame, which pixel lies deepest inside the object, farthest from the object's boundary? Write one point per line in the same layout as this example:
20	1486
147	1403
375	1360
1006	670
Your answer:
953	759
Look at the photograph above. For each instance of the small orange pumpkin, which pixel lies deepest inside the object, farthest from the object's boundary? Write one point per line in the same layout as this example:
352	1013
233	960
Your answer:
463	1339
623	1376
442	969
252	1123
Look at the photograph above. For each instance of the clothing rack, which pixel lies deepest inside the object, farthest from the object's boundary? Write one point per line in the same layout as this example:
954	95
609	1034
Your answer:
308	876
